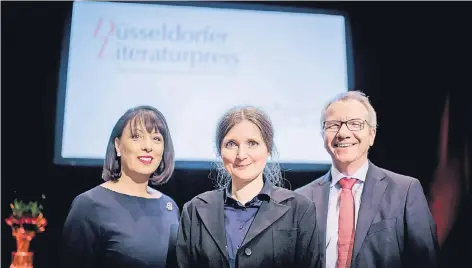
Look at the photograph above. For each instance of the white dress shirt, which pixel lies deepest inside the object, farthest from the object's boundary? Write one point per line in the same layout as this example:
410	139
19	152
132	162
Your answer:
333	209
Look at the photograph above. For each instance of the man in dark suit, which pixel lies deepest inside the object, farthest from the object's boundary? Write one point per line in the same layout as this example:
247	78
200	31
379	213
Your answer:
367	216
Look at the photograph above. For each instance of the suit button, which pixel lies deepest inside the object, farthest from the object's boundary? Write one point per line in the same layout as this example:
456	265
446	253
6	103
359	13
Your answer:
248	251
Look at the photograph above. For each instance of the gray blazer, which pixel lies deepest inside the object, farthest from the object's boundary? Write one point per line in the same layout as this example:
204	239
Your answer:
394	228
283	233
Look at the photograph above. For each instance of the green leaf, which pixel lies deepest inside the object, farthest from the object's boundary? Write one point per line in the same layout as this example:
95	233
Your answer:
21	209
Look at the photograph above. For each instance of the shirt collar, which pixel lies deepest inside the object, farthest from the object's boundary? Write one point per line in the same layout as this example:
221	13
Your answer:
264	194
360	174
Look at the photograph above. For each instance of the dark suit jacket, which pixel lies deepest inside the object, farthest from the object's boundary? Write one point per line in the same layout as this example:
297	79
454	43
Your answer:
394	228
283	233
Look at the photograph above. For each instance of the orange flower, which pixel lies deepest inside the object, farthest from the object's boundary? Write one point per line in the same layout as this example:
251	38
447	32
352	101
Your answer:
42	222
12	220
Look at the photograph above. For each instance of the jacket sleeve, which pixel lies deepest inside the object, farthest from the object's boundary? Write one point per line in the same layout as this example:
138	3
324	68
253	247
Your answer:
183	239
421	240
308	252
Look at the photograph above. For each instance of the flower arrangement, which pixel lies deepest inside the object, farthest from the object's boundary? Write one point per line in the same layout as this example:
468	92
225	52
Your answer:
25	221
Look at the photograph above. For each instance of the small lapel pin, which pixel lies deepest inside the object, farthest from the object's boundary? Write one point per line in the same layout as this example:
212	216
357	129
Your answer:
169	206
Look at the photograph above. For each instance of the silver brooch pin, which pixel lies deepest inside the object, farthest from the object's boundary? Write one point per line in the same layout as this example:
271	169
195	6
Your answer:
169	206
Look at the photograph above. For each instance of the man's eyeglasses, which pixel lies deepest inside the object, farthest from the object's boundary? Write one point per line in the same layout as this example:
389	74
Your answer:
352	125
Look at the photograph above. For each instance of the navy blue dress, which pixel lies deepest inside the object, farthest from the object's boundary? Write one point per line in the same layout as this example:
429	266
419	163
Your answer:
109	229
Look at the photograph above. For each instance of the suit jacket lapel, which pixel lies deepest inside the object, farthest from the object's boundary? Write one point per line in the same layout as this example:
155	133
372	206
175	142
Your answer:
321	199
268	213
372	193
212	215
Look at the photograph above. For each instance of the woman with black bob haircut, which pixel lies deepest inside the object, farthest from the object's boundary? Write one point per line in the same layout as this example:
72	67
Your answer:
250	221
124	222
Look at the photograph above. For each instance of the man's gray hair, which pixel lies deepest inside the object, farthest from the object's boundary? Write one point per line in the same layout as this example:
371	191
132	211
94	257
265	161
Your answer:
357	96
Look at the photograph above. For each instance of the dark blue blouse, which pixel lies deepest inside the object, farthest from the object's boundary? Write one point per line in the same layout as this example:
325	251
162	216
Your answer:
238	219
109	229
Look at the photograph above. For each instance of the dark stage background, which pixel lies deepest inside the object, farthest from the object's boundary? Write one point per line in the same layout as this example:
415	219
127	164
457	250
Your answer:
408	58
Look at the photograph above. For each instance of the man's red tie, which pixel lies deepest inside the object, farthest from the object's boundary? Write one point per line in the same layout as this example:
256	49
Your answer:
346	223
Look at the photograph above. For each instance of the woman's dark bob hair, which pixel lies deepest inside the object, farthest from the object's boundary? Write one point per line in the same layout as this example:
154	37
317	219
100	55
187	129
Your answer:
151	119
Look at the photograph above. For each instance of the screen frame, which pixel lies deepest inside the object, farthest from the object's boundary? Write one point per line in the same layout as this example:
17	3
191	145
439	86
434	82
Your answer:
190	165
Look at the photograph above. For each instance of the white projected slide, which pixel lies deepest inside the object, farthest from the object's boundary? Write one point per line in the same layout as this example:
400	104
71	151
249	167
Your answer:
193	64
